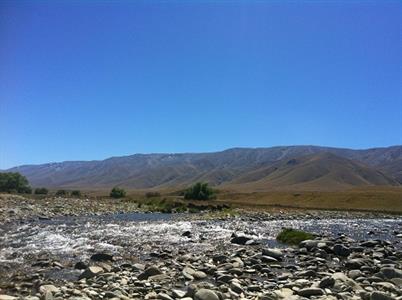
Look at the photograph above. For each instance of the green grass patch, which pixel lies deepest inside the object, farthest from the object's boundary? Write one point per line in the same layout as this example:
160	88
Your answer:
293	237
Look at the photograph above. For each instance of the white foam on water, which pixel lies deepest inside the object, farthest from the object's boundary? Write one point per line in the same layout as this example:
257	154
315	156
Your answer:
81	238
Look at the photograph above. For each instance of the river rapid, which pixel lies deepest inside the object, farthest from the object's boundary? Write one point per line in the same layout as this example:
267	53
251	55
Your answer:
137	235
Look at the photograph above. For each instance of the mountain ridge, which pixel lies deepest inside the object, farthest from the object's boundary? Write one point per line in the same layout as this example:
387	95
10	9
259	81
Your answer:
163	170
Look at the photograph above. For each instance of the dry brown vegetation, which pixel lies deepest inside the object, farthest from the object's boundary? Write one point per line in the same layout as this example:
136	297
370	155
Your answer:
385	199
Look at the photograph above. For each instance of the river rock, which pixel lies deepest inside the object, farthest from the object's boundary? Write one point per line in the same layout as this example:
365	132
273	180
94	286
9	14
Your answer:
308	292
102	257
80	265
48	288
91	272
7	297
151	271
273	252
390	273
205	294
341	250
380	296
327	282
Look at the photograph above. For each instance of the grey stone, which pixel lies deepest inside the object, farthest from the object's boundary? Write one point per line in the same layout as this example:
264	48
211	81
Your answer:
205	294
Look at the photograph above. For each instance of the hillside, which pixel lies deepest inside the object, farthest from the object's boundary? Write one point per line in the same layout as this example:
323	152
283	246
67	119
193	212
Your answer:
322	171
304	167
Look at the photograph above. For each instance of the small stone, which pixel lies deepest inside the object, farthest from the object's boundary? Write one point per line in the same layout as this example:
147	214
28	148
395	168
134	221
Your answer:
151	271
91	272
236	287
341	250
327	282
273	252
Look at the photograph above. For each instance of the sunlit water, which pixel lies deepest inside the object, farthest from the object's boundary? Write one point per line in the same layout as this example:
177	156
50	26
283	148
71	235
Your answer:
136	235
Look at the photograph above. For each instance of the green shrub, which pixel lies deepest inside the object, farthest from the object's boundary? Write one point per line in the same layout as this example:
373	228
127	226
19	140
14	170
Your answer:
199	191
61	193
152	194
117	192
14	182
76	193
293	237
25	190
41	191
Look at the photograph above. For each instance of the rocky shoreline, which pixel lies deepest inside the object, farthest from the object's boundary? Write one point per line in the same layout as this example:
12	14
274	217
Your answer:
226	258
20	208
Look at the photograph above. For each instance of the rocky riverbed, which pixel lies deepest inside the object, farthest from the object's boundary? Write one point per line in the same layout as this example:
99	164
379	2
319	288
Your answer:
181	256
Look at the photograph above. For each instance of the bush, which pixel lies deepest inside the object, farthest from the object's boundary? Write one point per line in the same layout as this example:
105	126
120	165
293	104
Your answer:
14	182
61	193
152	194
26	190
199	191
293	237
76	193
41	191
117	192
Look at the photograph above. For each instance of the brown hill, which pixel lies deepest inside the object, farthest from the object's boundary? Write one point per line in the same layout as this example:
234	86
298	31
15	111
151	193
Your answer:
323	171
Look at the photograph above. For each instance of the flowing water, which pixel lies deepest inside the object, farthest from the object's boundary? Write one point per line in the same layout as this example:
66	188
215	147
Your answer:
136	234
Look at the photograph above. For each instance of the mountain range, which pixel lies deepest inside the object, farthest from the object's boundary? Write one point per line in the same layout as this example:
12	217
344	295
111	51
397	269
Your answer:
276	168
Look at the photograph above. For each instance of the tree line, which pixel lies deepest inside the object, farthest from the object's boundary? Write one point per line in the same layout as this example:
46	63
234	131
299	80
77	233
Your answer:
14	182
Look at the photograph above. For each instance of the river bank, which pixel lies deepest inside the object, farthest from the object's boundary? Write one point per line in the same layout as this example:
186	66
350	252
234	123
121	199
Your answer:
131	255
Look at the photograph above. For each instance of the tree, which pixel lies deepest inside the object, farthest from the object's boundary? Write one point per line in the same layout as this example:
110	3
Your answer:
76	193
26	190
61	193
199	191
41	191
117	192
14	182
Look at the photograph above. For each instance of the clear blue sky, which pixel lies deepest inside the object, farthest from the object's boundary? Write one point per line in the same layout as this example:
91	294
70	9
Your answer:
83	80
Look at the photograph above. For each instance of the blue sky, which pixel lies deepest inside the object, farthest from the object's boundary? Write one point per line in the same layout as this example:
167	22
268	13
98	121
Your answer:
82	80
